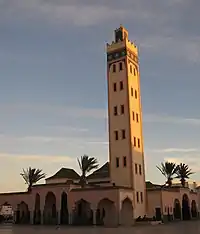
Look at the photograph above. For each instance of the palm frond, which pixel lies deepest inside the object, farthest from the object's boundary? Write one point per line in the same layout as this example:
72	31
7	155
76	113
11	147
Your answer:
32	176
183	172
168	170
87	164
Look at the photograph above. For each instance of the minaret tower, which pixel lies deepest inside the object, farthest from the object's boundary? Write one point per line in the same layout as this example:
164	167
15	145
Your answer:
125	118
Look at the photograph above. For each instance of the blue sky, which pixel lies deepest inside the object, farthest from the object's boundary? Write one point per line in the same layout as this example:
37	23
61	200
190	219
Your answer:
53	96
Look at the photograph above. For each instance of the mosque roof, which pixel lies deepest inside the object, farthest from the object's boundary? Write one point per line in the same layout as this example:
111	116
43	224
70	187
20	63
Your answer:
102	172
67	173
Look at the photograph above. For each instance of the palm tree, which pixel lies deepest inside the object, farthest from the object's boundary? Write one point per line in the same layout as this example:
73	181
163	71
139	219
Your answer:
86	164
32	176
183	172
168	169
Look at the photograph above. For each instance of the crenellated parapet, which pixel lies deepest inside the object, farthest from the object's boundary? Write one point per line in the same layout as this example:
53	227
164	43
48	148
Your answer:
121	47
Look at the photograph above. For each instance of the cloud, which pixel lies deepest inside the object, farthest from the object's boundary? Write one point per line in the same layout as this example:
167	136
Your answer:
41	109
159	118
98	142
175	150
192	161
12	164
81	112
160	20
87	12
86	140
174	45
68	129
47	158
52	110
77	13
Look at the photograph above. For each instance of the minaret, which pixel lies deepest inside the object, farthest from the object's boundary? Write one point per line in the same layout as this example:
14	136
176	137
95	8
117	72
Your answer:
125	118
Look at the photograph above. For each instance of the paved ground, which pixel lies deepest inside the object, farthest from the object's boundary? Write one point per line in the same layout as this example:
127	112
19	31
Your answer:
190	227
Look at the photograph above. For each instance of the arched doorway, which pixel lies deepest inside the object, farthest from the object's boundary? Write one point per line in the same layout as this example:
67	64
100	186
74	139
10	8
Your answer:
193	209
185	207
23	214
37	211
82	215
177	209
106	213
64	209
50	212
127	212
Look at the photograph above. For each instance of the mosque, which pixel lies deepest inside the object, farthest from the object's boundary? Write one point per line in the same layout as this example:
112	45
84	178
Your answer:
116	193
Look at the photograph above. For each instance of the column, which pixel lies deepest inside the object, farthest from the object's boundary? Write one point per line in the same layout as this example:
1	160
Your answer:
71	210
94	216
70	218
42	217
58	218
119	213
31	217
15	217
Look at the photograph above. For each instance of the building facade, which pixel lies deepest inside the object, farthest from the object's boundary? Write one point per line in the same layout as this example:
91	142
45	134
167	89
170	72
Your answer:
116	193
125	118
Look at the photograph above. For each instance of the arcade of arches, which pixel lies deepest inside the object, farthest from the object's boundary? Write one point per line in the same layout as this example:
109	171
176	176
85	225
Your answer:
81	214
186	210
74	207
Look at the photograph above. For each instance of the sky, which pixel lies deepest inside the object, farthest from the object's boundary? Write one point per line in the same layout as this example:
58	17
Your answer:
53	91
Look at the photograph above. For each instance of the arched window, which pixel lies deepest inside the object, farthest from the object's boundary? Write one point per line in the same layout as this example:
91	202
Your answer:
120	66
131	70
136	96
114	67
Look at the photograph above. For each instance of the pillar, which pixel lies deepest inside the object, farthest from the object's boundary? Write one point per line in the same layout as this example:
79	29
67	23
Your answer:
94	216
42	217
15	217
71	210
58	218
70	218
119	213
31	217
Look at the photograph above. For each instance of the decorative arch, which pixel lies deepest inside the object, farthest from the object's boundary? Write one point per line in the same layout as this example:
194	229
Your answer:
50	212
23	213
126	212
37	211
82	214
116	64
111	66
177	209
64	215
194	209
185	207
106	213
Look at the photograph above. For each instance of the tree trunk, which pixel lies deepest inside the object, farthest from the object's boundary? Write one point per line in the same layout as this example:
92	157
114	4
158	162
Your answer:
82	181
29	188
183	182
169	182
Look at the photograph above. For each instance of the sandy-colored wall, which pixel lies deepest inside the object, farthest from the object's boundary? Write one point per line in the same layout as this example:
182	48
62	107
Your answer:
56	181
165	200
153	201
14	199
136	132
101	182
59	181
126	176
124	193
168	198
120	148
93	196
